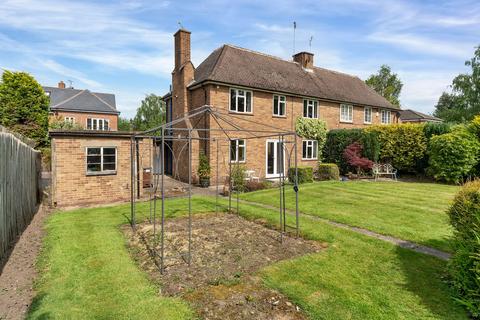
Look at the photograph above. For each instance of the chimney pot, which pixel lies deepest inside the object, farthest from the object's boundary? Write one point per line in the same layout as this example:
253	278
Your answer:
61	85
305	59
182	47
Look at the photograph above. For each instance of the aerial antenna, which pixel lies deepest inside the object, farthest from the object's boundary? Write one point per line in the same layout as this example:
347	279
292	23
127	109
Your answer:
180	25
310	43
70	83
294	28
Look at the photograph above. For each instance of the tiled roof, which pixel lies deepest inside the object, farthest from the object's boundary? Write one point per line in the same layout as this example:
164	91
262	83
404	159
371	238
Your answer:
81	100
412	115
237	66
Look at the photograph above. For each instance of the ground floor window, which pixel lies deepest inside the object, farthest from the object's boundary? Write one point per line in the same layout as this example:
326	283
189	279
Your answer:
309	149
97	124
367	115
346	113
237	150
101	160
386	116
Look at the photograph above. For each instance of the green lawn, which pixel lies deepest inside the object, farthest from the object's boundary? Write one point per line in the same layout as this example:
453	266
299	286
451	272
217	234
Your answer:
410	211
87	272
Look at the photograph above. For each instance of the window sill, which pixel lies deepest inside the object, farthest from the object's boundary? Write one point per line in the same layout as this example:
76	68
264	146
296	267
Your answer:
241	113
308	159
238	162
344	121
105	173
277	116
367	123
310	118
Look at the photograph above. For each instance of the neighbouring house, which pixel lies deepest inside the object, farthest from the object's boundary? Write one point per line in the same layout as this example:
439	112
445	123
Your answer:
90	167
264	89
409	115
92	110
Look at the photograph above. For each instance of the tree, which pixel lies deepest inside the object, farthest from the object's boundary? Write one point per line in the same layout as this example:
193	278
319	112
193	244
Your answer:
24	106
386	84
124	124
464	101
150	114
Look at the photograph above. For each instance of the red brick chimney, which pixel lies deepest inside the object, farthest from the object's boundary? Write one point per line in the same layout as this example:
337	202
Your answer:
61	85
182	47
305	59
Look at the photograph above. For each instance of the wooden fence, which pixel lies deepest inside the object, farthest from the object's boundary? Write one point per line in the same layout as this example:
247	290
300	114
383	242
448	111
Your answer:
20	196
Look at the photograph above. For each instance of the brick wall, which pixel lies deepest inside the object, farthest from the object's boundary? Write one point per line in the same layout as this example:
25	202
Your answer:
81	118
71	185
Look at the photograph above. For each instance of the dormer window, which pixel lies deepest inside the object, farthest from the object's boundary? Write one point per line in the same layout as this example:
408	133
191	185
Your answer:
240	100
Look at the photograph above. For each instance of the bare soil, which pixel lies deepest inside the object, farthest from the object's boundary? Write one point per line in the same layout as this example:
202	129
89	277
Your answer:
221	280
19	272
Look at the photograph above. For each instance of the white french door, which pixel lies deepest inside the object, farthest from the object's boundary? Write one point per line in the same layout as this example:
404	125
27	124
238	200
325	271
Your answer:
274	163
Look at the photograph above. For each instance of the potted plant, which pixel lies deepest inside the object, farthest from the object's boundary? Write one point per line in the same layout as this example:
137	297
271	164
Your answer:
204	171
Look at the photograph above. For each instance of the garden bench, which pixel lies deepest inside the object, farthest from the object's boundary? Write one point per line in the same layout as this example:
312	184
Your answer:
379	169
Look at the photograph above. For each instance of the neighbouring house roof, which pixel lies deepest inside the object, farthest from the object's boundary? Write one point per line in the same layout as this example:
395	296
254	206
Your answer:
409	115
75	100
237	66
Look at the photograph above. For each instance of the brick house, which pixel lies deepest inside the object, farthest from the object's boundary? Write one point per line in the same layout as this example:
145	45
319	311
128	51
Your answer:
269	90
412	116
92	110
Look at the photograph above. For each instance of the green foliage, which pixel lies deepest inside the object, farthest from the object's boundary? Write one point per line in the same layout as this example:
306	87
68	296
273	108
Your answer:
328	171
253	185
453	156
402	145
431	129
124	124
386	84
203	166
313	129
371	145
238	177
305	174
464	266
24	106
151	113
464	101
336	142
58	123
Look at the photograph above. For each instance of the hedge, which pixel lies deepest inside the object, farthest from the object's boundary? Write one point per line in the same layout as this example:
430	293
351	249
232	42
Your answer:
305	174
337	141
328	171
453	156
464	266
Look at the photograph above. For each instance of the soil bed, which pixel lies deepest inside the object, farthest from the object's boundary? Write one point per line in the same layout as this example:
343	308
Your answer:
226	252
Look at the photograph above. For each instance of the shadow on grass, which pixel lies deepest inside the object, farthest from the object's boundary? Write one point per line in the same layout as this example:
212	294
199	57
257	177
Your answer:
35	306
423	279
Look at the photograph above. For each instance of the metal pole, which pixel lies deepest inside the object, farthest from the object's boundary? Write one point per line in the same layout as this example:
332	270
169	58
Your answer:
162	159
216	194
295	188
137	156
283	184
132	182
230	182
189	197
280	190
238	188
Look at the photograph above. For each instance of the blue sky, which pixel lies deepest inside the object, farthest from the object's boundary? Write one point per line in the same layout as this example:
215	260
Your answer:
126	47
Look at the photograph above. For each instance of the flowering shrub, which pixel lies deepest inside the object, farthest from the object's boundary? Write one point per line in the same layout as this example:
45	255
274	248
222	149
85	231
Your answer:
353	156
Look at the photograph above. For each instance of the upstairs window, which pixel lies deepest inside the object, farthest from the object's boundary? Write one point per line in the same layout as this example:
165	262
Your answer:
101	160
97	124
70	119
367	115
237	150
346	113
279	105
310	109
240	101
309	149
386	116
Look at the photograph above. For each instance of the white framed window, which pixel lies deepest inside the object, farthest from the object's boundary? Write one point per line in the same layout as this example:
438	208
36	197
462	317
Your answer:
101	160
346	113
279	105
237	150
386	116
367	115
309	149
240	100
97	124
310	109
69	119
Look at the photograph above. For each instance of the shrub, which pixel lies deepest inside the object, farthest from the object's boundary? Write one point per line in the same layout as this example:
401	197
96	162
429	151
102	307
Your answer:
256	185
203	166
313	129
337	141
353	156
453	156
59	123
305	174
402	145
328	171
464	266
371	145
431	129
238	177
